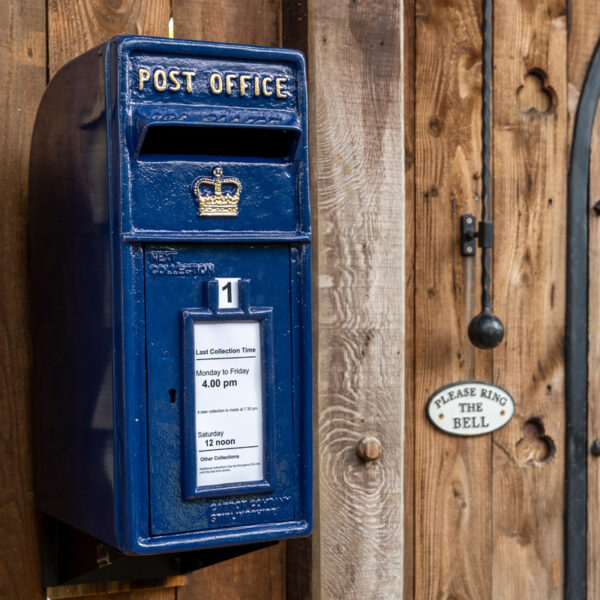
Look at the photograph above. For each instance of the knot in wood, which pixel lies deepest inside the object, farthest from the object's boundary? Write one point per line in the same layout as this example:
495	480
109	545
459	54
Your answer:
368	448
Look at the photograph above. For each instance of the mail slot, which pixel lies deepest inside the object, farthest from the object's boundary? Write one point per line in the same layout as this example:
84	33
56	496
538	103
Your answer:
170	279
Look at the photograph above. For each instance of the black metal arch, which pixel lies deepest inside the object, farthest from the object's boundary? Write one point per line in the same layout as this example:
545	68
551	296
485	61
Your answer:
576	348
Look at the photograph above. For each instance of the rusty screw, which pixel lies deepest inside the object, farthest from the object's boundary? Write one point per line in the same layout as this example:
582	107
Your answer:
369	448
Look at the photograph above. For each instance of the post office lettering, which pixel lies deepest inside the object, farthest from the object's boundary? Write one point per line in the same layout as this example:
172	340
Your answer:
172	80
232	84
245	85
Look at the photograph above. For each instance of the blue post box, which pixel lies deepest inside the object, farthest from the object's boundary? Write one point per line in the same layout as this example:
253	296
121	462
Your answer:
170	278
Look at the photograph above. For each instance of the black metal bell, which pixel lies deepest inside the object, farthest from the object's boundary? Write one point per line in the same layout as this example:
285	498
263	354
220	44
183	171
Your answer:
486	330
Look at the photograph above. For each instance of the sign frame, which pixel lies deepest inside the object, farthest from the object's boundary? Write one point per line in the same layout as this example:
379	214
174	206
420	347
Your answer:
508	409
190	316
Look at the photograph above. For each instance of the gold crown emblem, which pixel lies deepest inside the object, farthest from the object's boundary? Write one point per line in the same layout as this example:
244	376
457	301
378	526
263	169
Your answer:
219	203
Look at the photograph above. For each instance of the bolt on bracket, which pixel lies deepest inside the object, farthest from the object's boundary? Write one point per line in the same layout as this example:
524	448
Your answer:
469	231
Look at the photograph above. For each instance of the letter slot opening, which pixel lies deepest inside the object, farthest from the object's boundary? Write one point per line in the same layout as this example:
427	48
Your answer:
200	141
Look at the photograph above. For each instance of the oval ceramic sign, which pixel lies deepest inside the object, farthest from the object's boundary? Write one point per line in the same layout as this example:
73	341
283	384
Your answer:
468	408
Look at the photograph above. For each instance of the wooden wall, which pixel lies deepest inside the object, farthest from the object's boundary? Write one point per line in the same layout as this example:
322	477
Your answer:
486	518
23	64
482	517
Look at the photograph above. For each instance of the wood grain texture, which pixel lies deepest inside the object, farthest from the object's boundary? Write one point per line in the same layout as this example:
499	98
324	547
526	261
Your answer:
255	576
452	475
160	594
294	25
255	22
23	73
583	36
299	568
530	161
94	590
355	79
410	331
78	25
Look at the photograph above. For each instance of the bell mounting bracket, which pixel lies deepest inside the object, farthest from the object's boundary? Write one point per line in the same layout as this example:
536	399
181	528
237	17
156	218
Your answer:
469	233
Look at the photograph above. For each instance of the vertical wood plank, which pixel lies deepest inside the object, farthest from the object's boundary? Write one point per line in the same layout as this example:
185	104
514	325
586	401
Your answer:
75	26
452	475
299	560
96	590
23	73
410	331
530	159
255	22
356	77
260	574
256	576
294	25
113	591
584	35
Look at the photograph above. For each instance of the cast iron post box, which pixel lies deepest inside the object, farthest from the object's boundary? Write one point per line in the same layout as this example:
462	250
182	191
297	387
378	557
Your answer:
170	273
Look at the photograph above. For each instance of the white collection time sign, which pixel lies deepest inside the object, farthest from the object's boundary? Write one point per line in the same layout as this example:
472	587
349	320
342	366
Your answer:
228	402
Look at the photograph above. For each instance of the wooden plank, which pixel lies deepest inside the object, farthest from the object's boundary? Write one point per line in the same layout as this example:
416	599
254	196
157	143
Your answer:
89	590
410	52
530	158
255	22
584	34
23	72
255	576
294	25
356	76
75	26
299	568
452	475
259	574
158	594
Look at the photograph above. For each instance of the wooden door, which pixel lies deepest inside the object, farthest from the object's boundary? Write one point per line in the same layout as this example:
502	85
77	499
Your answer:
486	514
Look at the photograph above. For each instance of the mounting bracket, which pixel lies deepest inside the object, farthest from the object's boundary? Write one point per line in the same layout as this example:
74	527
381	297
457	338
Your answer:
469	232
